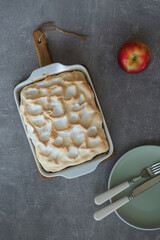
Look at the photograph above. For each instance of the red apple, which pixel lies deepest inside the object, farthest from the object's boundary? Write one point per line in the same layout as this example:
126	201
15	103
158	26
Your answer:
134	57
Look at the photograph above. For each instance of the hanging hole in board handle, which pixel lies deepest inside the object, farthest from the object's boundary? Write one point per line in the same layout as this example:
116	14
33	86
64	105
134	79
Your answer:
44	57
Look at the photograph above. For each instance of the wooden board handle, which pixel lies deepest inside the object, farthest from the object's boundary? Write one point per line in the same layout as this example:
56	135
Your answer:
41	48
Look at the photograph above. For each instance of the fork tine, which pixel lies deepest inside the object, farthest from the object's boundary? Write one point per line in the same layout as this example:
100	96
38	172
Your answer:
155	168
157	172
154	165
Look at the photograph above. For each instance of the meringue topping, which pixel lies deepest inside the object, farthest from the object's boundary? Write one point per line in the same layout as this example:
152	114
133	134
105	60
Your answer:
63	121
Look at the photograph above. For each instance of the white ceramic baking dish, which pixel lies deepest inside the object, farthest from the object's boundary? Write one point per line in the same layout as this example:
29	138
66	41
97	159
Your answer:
84	168
53	69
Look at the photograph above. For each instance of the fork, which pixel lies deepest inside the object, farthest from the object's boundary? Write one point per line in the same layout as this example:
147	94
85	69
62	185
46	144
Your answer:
147	172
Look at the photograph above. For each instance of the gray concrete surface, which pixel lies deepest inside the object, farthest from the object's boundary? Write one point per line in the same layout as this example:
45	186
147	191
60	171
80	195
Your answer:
62	209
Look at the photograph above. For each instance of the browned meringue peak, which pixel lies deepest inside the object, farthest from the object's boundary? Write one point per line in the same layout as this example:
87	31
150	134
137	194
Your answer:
63	121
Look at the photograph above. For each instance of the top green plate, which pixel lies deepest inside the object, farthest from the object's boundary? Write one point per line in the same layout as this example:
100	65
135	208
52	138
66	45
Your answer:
143	212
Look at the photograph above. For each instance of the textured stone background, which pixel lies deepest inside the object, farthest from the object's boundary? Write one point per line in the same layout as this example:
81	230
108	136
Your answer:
62	209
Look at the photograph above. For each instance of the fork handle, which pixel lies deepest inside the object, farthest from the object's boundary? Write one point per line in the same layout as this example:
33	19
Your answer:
104	212
111	193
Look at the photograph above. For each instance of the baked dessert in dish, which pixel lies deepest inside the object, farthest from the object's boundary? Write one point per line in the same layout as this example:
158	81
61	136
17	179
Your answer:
63	121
